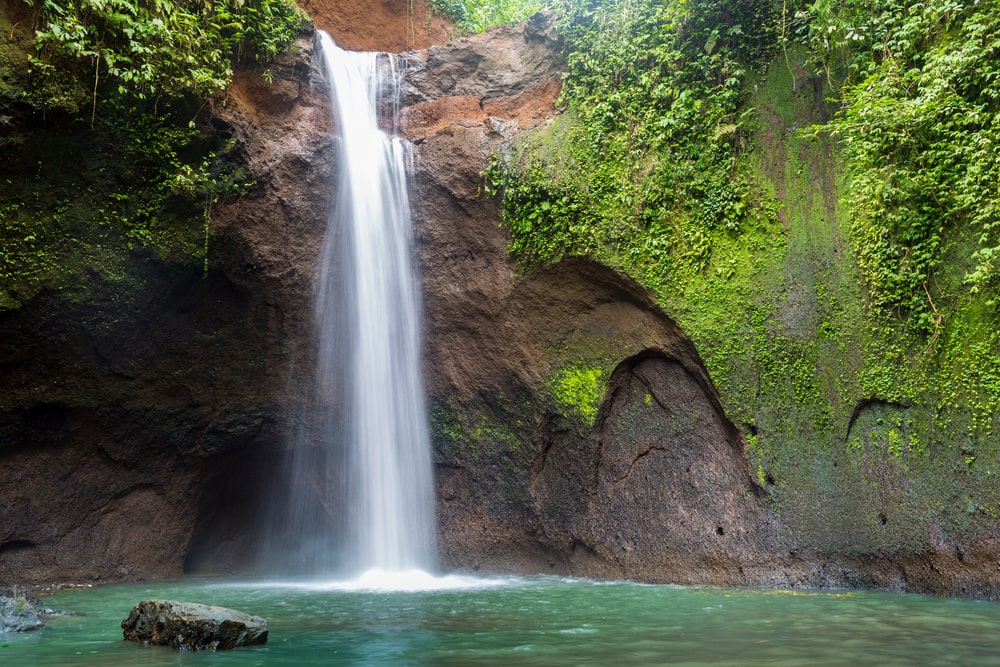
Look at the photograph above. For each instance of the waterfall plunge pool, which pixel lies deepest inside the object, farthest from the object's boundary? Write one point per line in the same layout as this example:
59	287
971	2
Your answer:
530	621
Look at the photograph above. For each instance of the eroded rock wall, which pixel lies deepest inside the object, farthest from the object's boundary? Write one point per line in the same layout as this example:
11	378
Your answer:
655	484
380	25
575	428
138	403
655	488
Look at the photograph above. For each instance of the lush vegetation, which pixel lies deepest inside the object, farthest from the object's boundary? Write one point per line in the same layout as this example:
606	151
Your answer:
647	165
146	49
643	172
920	130
119	87
810	189
919	126
473	16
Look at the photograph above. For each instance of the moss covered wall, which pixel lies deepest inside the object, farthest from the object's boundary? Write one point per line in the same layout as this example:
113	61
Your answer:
870	434
869	438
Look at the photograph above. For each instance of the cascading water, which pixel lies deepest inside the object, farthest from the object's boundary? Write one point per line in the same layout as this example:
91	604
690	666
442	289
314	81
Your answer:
367	377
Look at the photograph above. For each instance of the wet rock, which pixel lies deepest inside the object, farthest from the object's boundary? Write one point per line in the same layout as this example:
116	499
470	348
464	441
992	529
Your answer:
379	25
17	614
152	391
502	63
188	626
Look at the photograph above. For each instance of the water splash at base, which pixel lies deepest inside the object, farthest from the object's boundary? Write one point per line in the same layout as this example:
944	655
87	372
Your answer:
377	580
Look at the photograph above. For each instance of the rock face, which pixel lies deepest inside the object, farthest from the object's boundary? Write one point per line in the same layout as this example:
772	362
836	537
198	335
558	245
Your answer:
379	25
160	431
188	626
655	489
134	418
575	428
18	615
158	413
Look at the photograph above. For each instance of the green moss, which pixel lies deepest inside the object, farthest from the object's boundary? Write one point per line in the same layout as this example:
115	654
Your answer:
489	437
904	460
62	227
578	372
578	391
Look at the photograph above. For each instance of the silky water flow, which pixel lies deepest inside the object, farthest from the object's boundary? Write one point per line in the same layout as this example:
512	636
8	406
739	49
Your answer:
361	479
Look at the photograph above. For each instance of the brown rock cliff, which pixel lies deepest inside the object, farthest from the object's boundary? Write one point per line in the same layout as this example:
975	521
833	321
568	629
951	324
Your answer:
141	429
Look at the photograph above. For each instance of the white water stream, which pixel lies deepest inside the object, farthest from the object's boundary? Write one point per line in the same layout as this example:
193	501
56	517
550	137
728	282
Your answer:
375	505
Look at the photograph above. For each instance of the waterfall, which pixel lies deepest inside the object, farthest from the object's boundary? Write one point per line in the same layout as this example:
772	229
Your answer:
362	482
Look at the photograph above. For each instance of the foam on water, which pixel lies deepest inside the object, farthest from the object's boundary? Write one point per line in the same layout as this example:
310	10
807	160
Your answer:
377	580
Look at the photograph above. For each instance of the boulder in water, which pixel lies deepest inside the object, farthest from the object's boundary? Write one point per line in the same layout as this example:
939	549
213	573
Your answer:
17	614
188	626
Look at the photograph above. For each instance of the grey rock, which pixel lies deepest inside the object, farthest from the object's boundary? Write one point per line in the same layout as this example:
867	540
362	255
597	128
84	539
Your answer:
18	615
189	626
503	62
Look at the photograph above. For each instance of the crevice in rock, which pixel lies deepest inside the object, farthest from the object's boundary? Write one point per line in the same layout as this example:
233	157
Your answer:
16	545
578	545
693	368
111	502
111	460
538	462
230	507
644	381
595	471
867	404
636	459
136	488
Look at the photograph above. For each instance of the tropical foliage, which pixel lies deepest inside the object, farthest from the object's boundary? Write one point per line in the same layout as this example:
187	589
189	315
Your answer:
646	167
151	48
117	88
646	171
474	16
920	129
811	190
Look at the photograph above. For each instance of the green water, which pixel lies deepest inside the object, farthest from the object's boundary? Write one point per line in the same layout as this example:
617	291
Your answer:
535	621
